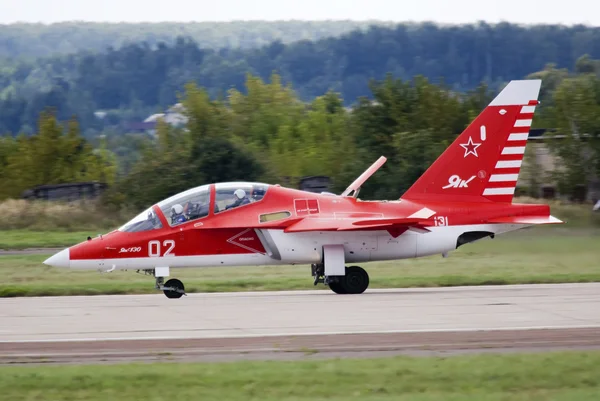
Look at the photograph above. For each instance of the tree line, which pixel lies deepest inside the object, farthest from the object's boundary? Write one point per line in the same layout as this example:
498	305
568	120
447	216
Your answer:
56	154
33	40
136	80
267	133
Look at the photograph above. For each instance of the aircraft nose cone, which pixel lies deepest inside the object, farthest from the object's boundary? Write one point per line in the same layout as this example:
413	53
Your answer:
60	259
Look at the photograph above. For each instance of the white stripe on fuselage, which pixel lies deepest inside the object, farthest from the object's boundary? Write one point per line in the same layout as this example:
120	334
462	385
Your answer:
305	248
245	259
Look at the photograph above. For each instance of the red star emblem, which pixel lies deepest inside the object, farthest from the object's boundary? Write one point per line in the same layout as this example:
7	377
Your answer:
470	147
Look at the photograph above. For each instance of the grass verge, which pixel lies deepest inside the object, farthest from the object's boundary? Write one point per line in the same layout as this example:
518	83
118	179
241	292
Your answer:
19	214
572	376
529	256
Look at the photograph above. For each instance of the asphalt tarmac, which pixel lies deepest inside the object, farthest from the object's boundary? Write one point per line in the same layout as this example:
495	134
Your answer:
299	324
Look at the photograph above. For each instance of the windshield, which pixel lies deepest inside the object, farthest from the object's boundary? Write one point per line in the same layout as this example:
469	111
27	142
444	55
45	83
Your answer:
190	205
147	220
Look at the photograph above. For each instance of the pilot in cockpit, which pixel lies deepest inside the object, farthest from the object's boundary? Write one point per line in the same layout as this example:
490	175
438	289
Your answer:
194	210
240	198
177	216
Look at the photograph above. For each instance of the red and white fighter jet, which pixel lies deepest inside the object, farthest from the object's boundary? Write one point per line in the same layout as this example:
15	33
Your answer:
465	195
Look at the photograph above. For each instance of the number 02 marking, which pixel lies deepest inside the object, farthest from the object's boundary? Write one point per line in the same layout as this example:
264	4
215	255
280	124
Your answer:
441	220
154	248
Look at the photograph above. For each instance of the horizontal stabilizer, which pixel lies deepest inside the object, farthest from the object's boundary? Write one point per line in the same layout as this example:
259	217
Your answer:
526	220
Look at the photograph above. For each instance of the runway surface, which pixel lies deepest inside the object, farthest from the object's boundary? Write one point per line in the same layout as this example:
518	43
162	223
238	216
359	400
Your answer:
287	324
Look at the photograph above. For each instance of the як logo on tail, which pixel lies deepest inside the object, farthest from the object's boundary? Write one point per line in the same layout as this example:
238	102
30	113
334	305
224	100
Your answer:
456	182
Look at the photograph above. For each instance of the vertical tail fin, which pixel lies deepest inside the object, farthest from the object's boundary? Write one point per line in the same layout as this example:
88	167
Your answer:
484	162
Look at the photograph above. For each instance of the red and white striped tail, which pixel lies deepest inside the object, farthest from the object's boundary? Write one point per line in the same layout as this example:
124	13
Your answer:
503	180
484	162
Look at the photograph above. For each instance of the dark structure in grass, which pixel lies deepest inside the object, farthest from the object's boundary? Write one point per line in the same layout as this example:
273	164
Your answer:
74	191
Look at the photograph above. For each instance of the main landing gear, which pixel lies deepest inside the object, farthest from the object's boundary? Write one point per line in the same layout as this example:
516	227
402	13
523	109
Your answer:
355	281
173	288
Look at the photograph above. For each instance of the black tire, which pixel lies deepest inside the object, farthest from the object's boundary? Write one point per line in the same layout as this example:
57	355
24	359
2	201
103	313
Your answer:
175	284
337	287
356	280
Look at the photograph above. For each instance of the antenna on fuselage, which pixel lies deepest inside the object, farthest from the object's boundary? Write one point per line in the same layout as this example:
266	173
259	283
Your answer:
354	188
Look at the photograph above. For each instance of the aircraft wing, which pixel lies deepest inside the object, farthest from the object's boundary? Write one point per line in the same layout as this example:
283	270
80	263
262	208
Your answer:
333	224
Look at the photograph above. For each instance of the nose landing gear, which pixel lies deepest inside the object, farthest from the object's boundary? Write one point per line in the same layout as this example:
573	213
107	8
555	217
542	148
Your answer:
173	288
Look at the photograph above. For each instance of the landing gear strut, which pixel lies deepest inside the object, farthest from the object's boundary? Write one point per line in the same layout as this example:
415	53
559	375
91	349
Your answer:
356	280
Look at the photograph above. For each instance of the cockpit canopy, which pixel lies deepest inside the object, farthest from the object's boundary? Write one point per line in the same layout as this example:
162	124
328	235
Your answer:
186	206
194	204
147	220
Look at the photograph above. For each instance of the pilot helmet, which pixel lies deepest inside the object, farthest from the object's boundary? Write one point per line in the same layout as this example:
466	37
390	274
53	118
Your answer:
239	193
176	209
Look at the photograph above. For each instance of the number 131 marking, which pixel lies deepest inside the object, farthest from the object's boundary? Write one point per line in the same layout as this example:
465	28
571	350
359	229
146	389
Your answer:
440	220
155	251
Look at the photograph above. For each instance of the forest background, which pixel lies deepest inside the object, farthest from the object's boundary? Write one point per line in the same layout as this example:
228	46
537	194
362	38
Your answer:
276	101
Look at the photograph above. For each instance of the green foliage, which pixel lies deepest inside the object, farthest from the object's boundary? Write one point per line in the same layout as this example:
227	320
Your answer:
51	156
575	113
411	123
142	76
39	40
266	133
323	140
292	139
184	158
126	149
8	147
558	376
